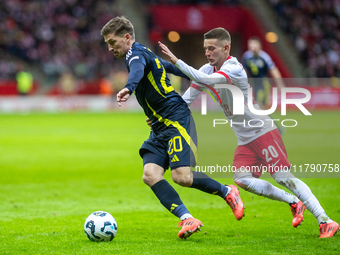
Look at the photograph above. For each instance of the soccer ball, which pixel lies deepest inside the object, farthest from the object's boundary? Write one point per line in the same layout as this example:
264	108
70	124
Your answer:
100	227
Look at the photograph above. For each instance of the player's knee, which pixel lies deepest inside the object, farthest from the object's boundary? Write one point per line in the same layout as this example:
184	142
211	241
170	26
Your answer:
147	179
150	177
182	178
284	178
243	180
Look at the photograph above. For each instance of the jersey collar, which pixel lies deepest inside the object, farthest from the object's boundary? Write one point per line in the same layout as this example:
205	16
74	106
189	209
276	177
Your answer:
229	57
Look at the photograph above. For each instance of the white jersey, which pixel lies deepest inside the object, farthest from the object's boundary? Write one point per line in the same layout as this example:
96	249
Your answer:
231	72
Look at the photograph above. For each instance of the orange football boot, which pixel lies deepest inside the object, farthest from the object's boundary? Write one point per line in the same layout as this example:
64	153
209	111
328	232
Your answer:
297	210
189	226
328	229
235	202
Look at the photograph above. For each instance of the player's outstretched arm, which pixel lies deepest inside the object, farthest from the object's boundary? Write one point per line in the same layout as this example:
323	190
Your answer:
173	59
171	68
191	72
123	96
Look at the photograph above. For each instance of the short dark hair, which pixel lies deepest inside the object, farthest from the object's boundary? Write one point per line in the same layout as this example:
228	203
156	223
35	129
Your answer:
218	33
119	26
255	38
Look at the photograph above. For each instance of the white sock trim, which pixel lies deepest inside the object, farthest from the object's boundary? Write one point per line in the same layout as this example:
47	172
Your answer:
229	190
186	216
323	218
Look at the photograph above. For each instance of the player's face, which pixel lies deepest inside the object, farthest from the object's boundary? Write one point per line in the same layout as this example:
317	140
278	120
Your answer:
118	45
254	46
216	51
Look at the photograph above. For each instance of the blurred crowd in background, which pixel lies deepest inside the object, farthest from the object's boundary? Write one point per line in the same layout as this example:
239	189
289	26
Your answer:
57	36
61	38
221	2
314	28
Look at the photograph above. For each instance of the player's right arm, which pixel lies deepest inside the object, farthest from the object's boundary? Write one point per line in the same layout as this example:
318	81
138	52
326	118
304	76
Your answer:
122	96
200	77
192	73
171	68
137	66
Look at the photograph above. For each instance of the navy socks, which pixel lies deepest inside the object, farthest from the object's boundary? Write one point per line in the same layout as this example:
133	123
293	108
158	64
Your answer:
169	198
204	183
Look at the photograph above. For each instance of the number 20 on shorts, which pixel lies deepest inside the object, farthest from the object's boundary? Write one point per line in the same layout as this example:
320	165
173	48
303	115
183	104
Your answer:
272	152
175	145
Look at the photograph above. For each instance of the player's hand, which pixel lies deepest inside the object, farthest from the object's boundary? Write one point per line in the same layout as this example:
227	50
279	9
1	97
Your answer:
148	121
123	96
173	59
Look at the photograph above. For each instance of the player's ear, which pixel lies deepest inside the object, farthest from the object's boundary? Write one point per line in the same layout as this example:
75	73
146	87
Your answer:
127	37
227	47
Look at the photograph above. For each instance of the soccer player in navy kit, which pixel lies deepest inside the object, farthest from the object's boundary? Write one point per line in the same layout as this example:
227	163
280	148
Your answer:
259	65
172	141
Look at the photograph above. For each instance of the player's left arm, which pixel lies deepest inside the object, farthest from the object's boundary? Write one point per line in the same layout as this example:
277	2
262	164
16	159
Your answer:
273	70
194	74
275	73
192	93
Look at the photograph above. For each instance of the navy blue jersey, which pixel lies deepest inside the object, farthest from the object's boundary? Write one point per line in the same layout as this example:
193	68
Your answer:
160	102
257	66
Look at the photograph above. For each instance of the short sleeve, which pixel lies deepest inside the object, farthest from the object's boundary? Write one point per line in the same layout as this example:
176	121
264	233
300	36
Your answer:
267	59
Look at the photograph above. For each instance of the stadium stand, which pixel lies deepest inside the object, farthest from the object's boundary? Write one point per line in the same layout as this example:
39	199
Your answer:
57	36
314	29
210	2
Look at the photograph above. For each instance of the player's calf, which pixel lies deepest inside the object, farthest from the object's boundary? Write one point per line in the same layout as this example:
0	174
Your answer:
182	176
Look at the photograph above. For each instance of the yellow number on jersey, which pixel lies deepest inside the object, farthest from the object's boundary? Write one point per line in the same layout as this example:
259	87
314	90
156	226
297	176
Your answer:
166	88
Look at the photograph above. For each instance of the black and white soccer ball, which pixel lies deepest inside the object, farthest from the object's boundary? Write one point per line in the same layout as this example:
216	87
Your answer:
100	227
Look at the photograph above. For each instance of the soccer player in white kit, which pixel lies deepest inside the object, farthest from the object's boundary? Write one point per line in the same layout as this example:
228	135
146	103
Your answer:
259	145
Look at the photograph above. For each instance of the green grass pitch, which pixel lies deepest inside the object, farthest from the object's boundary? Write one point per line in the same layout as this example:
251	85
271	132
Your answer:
56	169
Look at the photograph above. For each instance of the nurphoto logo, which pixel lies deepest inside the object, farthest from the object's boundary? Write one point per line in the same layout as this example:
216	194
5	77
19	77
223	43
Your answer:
239	103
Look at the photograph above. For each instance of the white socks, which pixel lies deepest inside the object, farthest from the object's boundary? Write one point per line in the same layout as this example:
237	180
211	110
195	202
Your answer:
324	218
303	192
186	216
264	188
229	189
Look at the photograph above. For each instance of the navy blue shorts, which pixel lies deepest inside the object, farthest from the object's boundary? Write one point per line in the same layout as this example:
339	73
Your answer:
175	146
